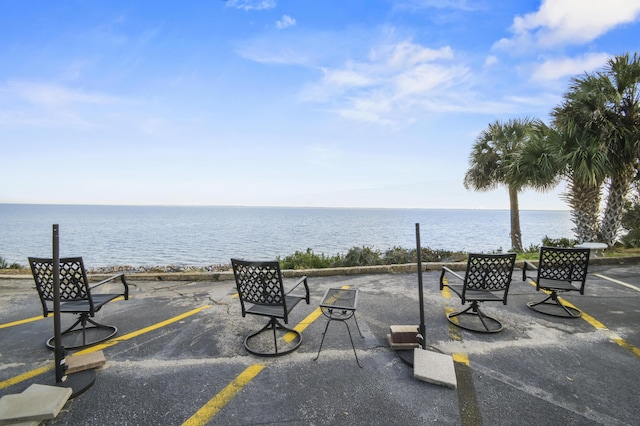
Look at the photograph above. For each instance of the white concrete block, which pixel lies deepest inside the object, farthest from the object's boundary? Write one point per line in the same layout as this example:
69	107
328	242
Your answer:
434	367
36	403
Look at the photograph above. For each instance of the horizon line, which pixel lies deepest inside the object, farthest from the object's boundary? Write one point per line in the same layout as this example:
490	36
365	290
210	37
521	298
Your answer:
273	206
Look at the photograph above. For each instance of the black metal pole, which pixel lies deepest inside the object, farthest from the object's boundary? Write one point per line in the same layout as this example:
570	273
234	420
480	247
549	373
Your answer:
82	380
59	349
422	326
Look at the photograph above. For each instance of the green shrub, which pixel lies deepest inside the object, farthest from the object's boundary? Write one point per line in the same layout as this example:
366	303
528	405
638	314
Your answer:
367	256
397	256
438	255
309	260
362	256
558	242
5	265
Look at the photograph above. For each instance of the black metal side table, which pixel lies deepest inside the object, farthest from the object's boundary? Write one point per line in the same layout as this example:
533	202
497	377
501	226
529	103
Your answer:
339	304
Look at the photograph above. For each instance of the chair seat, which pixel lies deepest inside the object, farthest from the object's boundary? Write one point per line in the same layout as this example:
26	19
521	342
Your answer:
477	295
99	300
275	310
557	285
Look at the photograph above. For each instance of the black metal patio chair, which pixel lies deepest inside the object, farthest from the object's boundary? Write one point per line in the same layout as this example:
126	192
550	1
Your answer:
76	297
487	279
261	292
557	271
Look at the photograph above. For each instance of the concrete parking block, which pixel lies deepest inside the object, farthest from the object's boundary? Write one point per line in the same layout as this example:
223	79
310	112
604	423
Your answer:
434	367
76	363
36	403
403	337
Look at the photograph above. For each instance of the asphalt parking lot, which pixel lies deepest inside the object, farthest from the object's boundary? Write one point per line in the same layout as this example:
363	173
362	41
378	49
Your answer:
179	357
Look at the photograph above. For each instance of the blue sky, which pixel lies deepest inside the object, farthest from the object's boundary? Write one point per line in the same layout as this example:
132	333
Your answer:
333	103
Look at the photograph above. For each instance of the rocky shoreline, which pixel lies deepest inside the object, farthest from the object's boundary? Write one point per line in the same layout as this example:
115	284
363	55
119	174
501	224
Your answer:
166	269
159	269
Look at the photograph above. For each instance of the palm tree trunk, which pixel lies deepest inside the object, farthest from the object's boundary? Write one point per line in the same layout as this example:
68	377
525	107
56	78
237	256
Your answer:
516	233
611	221
584	200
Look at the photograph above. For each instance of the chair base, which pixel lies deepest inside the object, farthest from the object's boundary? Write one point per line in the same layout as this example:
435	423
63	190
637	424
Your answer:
273	325
78	382
75	338
552	306
486	323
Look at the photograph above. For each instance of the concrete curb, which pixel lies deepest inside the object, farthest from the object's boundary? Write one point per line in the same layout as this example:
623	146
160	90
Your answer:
325	272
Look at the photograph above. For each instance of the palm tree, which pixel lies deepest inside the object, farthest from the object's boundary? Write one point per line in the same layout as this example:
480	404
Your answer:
538	164
551	154
621	81
586	169
600	121
491	164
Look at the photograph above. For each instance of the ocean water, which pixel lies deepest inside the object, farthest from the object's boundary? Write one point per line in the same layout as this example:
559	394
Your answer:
202	236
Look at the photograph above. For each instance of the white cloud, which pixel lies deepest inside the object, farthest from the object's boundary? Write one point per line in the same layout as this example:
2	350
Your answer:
423	78
395	79
252	4
393	83
490	61
346	78
53	95
285	22
407	53
276	50
560	22
48	105
561	67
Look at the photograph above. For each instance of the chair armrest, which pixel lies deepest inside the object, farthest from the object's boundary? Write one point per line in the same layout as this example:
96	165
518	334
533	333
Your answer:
442	276
122	279
303	280
525	266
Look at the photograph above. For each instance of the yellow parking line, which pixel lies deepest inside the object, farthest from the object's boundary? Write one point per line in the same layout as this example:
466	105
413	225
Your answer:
215	404
26	376
627	346
600	326
454	332
468	406
302	325
461	358
32	319
137	333
306	322
446	293
467	399
29	374
23	321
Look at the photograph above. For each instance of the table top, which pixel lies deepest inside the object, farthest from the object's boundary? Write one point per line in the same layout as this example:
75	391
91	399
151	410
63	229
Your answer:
340	298
591	245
